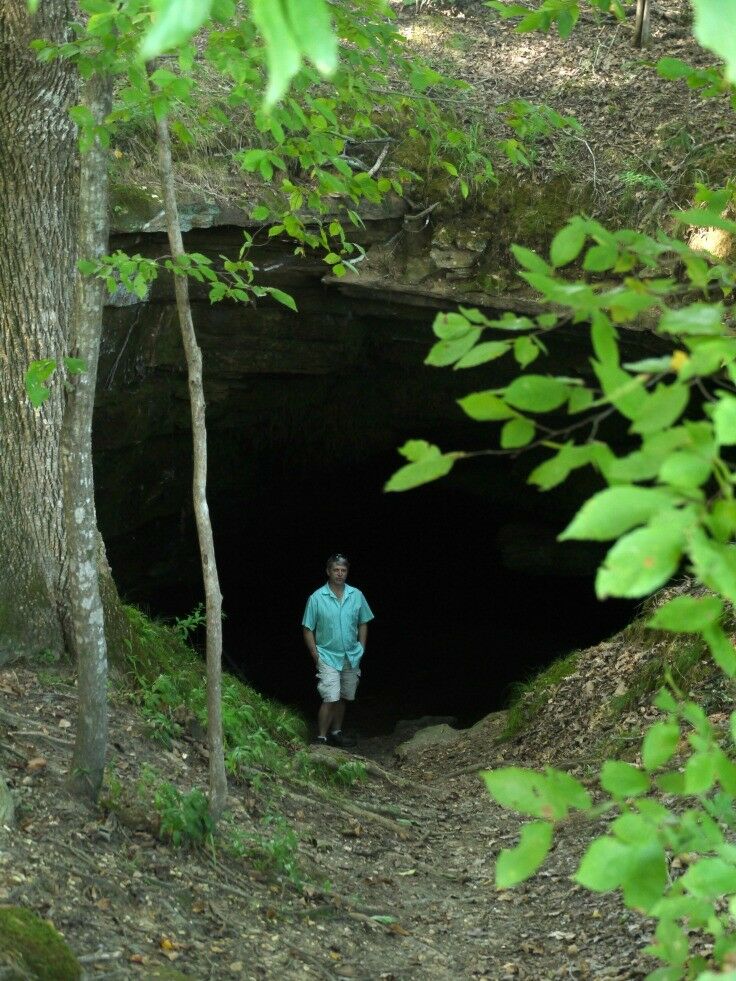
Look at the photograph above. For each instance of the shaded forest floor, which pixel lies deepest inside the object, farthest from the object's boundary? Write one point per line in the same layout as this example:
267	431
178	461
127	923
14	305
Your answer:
642	140
391	878
402	889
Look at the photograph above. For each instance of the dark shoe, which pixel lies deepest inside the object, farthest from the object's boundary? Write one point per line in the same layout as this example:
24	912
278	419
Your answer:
321	741
340	739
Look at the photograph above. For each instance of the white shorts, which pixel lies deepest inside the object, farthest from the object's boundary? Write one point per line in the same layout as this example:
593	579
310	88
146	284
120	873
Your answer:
333	685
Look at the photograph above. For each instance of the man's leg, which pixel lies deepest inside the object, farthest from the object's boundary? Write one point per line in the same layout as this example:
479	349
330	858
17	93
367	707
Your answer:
329	691
326	717
338	715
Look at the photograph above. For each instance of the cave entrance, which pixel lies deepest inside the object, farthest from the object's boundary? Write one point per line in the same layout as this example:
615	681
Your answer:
471	593
470	589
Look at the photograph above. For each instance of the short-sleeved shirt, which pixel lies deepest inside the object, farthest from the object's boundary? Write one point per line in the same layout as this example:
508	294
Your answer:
336	623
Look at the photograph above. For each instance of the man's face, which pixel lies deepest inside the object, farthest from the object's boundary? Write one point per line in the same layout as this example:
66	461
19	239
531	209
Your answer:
337	574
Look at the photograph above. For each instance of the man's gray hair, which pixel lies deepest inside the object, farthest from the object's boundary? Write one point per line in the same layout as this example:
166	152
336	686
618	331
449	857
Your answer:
338	559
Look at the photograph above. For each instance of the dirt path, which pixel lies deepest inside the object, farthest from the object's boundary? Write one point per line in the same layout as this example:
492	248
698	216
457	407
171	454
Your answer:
396	874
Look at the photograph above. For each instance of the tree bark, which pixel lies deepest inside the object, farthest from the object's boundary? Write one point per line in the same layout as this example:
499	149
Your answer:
38	188
7	807
38	209
88	622
213	597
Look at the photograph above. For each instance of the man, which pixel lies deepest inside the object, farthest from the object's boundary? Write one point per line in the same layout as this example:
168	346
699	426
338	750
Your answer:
335	626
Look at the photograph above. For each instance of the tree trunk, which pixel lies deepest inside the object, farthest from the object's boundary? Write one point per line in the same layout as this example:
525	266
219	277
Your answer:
37	249
38	207
7	808
642	26
88	622
213	598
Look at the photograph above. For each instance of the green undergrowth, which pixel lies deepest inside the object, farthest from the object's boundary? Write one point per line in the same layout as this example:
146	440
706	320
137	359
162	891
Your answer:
528	697
31	948
262	738
265	746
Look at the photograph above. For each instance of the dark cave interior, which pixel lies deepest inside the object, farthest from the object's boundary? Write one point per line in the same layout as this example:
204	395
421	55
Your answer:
470	590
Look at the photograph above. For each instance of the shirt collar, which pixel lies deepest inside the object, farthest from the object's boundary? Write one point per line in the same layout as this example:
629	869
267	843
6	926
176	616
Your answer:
326	591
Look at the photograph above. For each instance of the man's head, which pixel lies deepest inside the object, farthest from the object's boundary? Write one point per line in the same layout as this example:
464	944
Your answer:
337	568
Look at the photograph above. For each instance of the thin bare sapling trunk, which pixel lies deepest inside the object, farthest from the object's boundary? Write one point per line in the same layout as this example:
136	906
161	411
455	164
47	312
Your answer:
643	26
87	620
213	597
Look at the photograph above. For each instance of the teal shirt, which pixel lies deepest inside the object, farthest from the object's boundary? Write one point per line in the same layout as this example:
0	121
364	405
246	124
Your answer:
335	624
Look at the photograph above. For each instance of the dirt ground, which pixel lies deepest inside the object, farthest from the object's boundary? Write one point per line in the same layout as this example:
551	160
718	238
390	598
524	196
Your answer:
643	141
397	872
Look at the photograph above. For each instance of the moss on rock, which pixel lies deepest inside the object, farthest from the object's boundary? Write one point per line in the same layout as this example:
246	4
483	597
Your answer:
31	948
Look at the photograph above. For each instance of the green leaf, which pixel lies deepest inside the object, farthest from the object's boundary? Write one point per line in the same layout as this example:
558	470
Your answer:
311	24
604	337
39	372
721	648
427	463
517	432
698	318
705	218
175	21
724	420
517	789
450	326
623	779
710	878
282	51
418	449
529	260
485	407
722	520
580	399
645	875
685	469
514	865
565	792
568	243
687	614
75	366
641	561
659	744
536	393
611	512
661	409
600	257
525	350
603	865
700	773
482	353
624	391
557	469
284	298
714	564
449	351
713	28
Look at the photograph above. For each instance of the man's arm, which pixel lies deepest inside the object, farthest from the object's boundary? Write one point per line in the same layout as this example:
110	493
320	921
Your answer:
310	641
363	635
